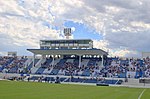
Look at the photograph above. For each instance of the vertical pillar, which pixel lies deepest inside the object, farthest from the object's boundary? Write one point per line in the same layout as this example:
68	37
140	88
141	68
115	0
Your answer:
102	61
53	60
33	60
80	60
43	56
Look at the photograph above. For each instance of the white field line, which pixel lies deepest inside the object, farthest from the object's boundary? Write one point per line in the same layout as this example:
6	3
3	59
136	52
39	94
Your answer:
141	94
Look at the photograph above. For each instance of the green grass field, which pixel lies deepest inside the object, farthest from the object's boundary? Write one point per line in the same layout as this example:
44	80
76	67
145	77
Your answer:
34	90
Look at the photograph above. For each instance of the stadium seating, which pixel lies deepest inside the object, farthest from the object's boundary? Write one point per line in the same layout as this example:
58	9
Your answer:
114	67
58	66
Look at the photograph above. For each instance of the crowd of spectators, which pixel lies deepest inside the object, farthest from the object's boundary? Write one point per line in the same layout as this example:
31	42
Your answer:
118	67
13	64
114	67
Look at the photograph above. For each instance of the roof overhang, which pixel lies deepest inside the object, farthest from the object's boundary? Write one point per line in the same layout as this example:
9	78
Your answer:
68	51
66	40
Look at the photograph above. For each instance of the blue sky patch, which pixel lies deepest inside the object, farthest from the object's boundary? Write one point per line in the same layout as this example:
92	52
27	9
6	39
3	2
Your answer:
82	31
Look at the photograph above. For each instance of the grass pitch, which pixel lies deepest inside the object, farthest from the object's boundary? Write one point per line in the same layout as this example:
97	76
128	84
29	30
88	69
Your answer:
34	90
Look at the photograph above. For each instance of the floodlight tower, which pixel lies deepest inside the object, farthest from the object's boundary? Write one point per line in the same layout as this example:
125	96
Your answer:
67	33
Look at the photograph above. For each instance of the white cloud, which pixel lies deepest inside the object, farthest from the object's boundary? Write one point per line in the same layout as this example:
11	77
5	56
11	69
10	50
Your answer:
25	24
124	24
73	29
101	44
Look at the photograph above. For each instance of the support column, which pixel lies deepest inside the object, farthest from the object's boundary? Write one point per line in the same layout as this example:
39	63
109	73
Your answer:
102	61
80	60
33	65
43	56
53	60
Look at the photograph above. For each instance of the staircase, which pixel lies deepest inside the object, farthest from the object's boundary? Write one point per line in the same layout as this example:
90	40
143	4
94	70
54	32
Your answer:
84	62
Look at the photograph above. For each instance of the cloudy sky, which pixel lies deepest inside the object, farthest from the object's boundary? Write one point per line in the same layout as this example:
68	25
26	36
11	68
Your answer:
121	27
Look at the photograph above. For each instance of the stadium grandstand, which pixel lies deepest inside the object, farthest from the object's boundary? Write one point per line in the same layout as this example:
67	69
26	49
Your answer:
74	49
73	60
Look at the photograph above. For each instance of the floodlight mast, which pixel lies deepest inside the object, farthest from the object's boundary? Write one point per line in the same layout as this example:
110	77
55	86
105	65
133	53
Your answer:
67	33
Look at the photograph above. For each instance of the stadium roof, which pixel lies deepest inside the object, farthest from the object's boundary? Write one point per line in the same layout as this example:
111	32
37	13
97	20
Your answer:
68	51
67	40
64	39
